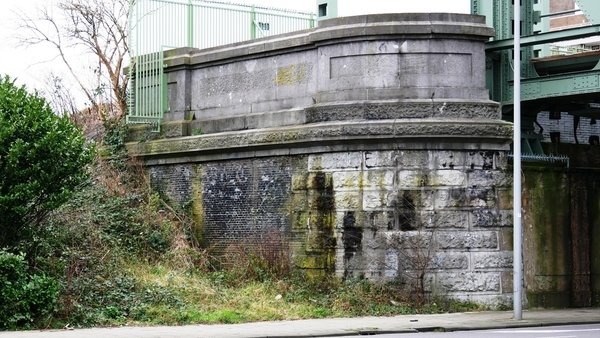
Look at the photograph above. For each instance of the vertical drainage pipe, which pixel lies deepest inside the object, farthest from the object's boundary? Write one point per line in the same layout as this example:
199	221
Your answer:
517	226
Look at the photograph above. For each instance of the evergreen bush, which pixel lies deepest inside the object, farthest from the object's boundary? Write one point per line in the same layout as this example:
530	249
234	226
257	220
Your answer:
25	297
43	158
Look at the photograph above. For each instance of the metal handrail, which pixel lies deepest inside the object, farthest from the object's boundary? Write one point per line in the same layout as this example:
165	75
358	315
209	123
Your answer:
154	24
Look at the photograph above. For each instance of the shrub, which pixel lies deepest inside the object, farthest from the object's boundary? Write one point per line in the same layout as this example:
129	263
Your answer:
24	297
43	159
262	257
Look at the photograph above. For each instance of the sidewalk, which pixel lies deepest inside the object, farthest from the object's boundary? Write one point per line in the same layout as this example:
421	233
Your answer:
337	326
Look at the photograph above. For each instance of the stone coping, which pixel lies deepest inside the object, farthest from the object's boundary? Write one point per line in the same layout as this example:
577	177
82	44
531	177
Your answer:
363	27
329	137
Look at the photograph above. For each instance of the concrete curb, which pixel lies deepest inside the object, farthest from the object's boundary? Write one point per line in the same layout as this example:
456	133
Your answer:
337	327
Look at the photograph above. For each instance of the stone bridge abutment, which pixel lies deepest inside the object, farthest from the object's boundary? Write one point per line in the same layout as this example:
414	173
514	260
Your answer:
369	142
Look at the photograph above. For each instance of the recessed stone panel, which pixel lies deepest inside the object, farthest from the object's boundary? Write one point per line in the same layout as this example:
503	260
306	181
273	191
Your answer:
335	161
364	65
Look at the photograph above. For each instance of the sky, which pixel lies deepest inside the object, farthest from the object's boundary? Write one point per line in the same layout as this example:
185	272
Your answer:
31	65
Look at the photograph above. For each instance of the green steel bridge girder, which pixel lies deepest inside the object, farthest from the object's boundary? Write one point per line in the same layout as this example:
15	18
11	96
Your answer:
549	37
566	84
543	81
556	86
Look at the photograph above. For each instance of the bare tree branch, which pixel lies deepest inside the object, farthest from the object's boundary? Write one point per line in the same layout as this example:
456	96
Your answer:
98	28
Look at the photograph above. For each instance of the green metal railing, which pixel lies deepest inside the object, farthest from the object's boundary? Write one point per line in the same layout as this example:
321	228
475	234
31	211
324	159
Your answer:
159	25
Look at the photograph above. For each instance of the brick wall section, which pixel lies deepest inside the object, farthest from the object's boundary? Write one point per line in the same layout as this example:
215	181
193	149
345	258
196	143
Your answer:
564	126
245	198
239	199
568	21
174	182
565	21
228	200
561	5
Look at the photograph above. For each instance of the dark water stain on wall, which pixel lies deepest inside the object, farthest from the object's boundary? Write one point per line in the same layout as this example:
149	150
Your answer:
351	238
322	226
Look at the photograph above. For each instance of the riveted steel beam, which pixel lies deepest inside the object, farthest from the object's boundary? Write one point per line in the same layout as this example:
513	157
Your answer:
549	37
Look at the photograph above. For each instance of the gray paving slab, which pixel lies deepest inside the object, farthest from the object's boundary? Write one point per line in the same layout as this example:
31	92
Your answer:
335	326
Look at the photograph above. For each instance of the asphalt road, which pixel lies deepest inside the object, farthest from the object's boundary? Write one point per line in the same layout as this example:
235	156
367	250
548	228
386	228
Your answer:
568	331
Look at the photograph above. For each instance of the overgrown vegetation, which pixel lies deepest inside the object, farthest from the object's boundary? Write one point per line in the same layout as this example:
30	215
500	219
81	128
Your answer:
116	253
26	297
42	160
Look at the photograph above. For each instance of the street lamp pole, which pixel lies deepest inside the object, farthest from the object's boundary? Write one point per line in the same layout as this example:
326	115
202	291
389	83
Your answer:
517	224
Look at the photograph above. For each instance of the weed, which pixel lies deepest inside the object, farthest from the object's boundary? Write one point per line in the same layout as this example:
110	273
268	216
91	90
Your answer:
262	257
321	312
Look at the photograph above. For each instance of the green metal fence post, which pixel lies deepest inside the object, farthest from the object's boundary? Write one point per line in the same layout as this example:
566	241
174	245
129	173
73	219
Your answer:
252	23
190	24
162	83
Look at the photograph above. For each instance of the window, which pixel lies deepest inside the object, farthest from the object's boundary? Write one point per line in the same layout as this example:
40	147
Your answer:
264	26
323	10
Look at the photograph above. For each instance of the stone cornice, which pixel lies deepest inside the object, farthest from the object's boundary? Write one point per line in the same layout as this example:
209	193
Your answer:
329	136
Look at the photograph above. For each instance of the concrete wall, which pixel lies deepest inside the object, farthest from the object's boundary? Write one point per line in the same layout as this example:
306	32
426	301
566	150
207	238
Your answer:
351	61
561	225
369	141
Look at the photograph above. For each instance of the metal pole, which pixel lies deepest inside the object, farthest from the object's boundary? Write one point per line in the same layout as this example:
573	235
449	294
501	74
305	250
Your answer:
190	24
252	23
517	226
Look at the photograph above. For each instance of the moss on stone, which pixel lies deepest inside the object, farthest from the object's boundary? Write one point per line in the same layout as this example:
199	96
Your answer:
198	209
291	75
546	213
321	235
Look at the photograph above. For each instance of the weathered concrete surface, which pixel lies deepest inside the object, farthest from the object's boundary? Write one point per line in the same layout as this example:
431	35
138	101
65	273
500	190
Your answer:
369	142
560	223
327	137
388	66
